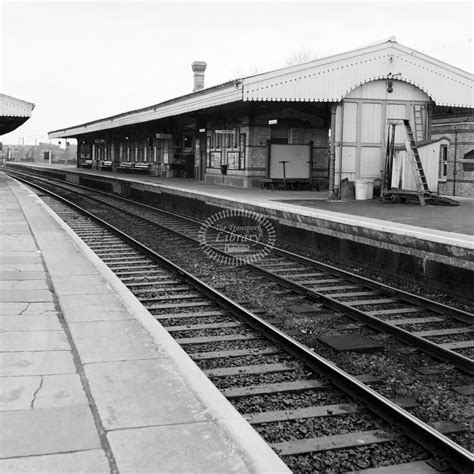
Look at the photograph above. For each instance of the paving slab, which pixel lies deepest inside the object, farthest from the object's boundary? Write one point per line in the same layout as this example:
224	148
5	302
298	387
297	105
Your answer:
48	391
17	257
60	390
130	341
31	296
21	267
78	285
44	322
22	285
18	393
13	227
26	309
20	275
83	462
70	262
22	341
197	448
117	388
93	308
36	363
13	242
51	242
47	430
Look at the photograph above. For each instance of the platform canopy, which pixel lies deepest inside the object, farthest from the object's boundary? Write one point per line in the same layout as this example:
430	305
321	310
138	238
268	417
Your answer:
13	113
323	80
333	78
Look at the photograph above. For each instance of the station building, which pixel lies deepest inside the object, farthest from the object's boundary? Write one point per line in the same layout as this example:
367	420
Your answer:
317	123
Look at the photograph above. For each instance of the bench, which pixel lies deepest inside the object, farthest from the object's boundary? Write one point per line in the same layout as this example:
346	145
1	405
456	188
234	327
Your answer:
86	164
125	166
141	167
105	165
301	184
271	183
295	184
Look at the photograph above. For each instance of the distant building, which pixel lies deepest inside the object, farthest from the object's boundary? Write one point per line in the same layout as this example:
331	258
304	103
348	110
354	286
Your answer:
39	153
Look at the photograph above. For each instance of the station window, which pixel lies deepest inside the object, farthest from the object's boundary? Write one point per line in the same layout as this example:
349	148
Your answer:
443	162
224	147
187	141
279	135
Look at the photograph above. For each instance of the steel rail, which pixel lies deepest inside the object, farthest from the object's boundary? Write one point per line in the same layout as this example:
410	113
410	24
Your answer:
414	428
447	355
403	295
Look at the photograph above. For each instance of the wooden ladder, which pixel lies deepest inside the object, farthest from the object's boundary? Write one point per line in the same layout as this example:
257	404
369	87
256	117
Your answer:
412	150
422	189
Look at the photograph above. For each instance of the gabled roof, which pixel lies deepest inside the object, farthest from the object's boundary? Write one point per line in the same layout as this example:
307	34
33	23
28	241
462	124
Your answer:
13	107
331	79
323	80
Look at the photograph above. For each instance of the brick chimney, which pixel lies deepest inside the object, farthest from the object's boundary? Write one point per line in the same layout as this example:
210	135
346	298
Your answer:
198	68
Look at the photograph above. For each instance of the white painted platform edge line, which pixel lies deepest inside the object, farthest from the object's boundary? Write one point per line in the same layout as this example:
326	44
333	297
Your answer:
405	230
431	235
258	454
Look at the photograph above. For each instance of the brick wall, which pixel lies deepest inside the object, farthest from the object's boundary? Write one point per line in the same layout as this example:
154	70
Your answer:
461	181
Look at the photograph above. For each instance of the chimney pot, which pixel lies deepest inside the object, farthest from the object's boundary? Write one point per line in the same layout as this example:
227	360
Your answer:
198	68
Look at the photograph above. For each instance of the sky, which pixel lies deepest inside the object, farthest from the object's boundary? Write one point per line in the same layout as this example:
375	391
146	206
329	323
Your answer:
79	61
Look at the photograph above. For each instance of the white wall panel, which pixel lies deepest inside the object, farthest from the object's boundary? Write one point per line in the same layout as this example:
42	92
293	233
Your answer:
297	157
350	122
371	162
371	123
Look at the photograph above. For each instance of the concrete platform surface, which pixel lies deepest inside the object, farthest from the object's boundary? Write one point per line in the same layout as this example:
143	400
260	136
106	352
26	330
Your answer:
89	381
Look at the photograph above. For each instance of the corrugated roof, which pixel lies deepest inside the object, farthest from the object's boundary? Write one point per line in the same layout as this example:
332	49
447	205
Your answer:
13	107
331	79
216	95
324	80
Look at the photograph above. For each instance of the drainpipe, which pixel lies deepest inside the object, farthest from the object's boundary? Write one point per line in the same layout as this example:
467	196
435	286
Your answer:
455	158
332	154
340	150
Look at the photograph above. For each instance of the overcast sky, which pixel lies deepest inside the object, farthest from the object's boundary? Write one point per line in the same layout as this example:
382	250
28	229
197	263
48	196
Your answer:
84	60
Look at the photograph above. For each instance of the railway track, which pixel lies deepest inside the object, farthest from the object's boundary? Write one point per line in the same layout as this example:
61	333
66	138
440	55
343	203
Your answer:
441	331
257	365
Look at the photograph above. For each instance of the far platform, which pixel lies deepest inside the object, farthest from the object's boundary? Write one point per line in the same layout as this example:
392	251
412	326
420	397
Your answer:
451	219
430	244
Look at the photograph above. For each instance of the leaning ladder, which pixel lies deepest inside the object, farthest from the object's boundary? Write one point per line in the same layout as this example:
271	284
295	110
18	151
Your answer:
414	157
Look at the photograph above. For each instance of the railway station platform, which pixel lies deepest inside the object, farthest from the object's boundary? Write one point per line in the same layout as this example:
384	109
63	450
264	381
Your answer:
433	245
90	382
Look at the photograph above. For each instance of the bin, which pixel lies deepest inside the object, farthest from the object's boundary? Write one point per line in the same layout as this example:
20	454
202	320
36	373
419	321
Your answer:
364	189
